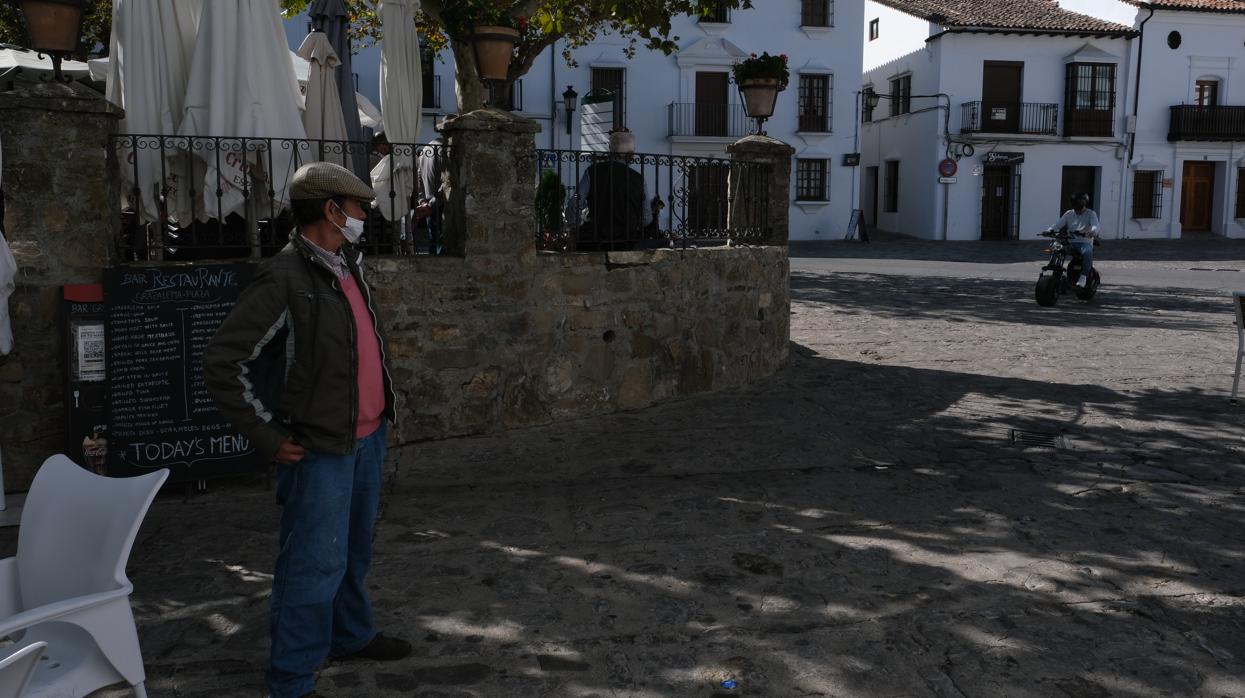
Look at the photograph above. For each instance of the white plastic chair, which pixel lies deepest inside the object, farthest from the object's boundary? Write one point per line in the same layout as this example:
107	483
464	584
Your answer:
67	585
17	668
1238	300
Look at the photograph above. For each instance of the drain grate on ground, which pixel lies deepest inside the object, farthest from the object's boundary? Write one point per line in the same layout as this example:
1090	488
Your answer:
1036	439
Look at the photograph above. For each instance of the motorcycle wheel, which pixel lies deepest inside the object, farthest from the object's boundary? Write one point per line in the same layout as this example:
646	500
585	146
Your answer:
1087	294
1047	290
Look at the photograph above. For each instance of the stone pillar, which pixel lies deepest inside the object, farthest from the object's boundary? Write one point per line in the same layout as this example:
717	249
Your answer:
61	216
492	183
777	216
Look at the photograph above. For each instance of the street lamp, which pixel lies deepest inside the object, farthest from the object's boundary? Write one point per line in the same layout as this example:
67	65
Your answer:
54	27
570	100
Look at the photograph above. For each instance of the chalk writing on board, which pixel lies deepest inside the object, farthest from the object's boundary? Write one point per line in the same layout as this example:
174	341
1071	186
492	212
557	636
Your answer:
160	413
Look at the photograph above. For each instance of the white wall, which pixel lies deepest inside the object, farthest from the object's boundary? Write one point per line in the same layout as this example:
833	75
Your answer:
952	64
898	34
913	140
655	80
1211	48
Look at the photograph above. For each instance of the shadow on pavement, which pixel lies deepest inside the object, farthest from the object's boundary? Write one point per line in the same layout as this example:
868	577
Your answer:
847	529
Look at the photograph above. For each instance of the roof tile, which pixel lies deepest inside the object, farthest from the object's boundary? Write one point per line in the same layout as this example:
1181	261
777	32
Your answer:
1032	15
1194	5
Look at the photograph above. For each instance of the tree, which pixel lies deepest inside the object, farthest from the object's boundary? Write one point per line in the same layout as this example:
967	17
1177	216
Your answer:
448	23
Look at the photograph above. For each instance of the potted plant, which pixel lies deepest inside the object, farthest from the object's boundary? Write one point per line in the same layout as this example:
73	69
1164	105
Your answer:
550	194
760	79
494	33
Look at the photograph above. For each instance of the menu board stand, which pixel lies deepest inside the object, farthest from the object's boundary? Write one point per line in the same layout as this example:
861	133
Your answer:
158	321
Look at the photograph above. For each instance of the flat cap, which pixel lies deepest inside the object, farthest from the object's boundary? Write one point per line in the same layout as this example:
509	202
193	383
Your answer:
325	180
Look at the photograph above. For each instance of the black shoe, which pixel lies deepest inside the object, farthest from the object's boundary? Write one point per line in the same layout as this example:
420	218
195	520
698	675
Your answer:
382	649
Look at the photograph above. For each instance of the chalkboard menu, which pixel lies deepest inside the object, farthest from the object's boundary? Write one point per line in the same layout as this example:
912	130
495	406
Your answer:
159	319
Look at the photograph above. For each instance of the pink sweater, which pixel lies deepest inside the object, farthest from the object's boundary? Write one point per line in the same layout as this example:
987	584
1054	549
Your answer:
371	378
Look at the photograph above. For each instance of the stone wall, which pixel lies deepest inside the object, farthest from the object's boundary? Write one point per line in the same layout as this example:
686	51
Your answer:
500	337
61	213
499	341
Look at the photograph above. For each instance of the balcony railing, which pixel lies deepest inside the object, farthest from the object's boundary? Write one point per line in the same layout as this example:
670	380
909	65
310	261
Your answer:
709	120
1010	117
1193	123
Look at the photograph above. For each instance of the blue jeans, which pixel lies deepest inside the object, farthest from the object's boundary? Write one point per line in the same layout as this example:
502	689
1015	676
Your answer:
1086	248
319	604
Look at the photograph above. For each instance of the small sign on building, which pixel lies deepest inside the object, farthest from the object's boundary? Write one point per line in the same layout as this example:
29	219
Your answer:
851	159
998	157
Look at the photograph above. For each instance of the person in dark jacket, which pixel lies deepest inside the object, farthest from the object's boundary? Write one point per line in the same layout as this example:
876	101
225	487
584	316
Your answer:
298	367
610	205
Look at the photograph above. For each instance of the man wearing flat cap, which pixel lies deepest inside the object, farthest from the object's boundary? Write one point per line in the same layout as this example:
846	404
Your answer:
298	367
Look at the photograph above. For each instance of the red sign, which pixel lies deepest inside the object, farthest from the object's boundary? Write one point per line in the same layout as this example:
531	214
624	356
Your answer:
948	168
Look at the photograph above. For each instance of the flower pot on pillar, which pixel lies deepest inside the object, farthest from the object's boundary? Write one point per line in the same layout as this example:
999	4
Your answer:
494	48
759	96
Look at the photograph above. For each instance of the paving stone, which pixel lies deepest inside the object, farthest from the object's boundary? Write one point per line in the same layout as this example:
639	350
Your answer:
858	526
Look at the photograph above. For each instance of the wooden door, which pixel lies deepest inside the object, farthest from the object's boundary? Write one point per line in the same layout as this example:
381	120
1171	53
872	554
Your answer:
1197	196
711	100
1077	178
1000	96
996	203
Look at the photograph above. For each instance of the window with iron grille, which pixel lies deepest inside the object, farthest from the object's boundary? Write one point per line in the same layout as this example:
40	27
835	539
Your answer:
1089	99
892	186
615	81
509	102
812	180
427	65
1148	194
720	13
901	95
866	109
817	13
815	103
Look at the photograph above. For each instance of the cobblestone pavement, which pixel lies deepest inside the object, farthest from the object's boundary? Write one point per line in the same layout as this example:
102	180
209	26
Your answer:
861	525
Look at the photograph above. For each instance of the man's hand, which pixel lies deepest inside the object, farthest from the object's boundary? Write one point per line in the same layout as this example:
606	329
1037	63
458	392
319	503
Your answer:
422	211
289	453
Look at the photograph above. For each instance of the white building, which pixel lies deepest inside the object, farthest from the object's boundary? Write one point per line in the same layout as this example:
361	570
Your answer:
685	103
994	114
1187	166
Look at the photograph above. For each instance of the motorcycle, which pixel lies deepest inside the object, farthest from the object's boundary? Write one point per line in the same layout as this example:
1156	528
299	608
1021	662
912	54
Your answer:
1060	275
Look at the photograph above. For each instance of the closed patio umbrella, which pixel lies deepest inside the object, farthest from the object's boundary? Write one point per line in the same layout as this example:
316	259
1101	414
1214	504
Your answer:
332	18
401	96
147	71
242	85
323	115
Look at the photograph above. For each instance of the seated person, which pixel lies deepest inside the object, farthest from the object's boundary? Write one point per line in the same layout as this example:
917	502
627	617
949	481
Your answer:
608	208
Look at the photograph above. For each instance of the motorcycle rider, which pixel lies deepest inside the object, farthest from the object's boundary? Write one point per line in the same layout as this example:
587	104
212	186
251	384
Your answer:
1081	222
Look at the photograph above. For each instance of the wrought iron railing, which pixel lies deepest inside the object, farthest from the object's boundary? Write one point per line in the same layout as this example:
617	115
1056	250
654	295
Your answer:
196	198
592	201
1190	122
1027	118
709	120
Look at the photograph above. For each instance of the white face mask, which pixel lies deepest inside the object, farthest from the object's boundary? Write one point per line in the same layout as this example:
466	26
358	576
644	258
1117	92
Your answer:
353	230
